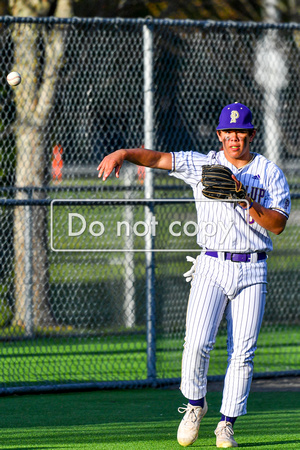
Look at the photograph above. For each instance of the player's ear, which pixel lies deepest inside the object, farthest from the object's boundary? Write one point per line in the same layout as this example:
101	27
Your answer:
252	135
219	135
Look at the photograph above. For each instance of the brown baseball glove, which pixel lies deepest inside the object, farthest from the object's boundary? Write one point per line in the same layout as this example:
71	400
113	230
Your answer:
219	184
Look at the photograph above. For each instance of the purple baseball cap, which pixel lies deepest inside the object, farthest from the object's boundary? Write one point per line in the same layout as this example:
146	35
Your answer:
235	116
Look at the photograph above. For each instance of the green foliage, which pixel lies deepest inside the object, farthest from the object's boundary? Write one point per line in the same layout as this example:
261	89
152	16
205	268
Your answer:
6	314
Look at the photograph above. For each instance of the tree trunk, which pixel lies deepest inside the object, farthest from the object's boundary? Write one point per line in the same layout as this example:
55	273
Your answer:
34	101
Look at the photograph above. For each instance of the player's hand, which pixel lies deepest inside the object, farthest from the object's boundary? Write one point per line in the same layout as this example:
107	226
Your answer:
109	163
237	182
189	275
238	185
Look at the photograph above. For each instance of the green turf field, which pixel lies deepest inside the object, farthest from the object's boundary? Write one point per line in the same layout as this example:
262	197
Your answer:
140	419
118	358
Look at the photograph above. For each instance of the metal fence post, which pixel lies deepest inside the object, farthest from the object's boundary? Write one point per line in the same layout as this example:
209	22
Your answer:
149	192
272	74
28	267
129	277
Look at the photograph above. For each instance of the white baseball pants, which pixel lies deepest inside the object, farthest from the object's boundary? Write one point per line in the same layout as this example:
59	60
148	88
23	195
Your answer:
239	290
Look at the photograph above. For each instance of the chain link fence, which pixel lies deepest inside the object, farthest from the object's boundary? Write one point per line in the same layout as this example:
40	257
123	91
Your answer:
86	299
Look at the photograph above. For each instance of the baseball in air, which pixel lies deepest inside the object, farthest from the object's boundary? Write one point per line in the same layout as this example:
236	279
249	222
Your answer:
13	78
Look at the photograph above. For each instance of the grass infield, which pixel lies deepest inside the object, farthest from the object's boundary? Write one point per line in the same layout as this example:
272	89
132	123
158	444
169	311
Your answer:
140	419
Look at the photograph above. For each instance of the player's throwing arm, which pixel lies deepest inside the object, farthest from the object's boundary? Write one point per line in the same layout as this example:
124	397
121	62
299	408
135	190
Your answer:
138	156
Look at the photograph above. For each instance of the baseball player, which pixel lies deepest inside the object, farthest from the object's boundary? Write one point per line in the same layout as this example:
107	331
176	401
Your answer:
223	282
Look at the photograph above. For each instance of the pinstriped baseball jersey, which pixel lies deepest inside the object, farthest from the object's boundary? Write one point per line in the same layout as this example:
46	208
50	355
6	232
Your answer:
234	229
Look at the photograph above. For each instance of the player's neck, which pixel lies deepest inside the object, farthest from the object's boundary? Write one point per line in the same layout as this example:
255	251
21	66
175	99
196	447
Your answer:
239	162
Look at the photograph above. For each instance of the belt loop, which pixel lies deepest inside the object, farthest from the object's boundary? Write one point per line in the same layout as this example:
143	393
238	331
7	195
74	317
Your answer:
221	256
254	257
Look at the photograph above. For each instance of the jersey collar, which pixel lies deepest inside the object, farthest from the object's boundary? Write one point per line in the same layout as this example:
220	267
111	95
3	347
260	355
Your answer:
240	168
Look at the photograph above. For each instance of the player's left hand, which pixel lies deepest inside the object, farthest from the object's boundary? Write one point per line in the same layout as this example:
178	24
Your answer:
238	185
189	275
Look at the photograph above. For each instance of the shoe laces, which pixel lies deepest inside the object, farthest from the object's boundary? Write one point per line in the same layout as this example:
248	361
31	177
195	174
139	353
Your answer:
190	410
225	430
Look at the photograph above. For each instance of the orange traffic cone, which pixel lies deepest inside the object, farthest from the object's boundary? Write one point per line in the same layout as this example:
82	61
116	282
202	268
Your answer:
57	164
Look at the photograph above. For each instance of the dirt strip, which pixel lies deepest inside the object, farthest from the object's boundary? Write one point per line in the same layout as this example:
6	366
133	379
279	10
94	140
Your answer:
282	384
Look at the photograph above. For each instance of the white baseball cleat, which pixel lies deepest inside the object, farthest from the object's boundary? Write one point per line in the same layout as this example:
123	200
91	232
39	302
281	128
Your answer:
188	428
224	433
